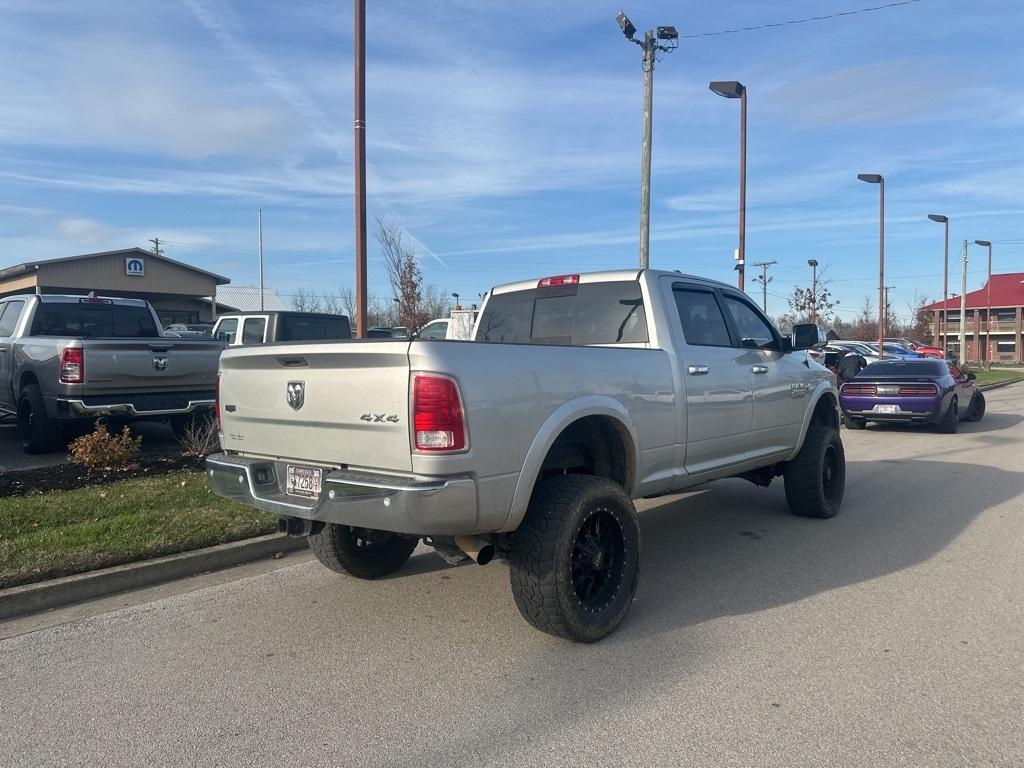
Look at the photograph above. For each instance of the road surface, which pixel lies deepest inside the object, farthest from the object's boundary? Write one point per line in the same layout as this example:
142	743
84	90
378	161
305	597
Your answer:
888	636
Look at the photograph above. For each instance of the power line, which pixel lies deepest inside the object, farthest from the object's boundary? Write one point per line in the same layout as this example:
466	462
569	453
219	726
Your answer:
836	15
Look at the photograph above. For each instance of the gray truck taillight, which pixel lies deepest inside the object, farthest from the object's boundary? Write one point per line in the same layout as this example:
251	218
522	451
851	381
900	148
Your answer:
72	365
438	422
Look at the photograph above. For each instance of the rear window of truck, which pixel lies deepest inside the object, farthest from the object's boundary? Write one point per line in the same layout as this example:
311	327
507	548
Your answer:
576	315
94	321
299	328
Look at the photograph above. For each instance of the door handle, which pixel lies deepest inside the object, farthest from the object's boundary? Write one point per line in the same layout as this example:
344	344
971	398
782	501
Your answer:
759	369
698	370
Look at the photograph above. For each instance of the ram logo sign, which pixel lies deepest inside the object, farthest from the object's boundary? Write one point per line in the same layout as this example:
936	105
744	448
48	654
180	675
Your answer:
134	266
296	394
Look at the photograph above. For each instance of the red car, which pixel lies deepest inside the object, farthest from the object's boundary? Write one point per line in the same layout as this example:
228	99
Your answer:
921	349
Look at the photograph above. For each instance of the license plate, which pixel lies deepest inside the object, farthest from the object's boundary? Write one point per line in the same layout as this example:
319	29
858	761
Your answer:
304	481
887	409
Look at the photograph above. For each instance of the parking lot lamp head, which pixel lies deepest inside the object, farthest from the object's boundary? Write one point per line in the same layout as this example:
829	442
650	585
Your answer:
729	89
626	25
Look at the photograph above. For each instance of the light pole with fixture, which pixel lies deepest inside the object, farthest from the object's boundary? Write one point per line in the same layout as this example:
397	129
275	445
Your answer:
988	301
731	89
877	178
650	45
942	329
813	263
456	300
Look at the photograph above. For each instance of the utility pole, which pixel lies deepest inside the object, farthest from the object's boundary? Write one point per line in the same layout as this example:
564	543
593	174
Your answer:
359	48
763	279
963	307
156	245
259	219
651	46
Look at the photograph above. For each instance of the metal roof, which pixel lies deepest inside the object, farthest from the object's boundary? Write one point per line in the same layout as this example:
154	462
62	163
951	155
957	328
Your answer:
1007	291
246	298
29	266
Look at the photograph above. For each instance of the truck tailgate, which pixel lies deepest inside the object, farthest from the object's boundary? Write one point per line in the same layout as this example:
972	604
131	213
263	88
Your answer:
142	365
330	403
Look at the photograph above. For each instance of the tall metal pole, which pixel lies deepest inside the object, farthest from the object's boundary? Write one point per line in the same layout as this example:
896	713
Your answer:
881	265
945	291
963	307
645	160
814	292
359	49
743	187
988	311
259	219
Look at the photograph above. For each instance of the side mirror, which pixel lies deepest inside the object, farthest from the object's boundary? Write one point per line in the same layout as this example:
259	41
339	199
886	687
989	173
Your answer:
807	335
971	376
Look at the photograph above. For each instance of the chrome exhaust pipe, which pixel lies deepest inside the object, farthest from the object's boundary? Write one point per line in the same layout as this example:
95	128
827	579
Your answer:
480	551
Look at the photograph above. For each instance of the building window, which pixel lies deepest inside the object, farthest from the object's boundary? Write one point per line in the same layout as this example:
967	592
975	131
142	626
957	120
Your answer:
1006	347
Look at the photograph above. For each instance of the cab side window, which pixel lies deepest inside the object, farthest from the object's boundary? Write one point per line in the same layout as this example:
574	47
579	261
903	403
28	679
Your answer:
228	330
754	331
701	317
10	313
252	330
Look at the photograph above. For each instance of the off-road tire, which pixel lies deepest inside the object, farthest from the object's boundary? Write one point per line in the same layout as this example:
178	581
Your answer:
852	422
565	581
951	419
361	552
37	432
977	409
816	476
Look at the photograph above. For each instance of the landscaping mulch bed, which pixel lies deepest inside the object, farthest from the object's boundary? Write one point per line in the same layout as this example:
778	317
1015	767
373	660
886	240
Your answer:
67	477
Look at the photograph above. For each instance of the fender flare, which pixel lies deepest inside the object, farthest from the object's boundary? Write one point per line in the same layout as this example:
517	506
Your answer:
567	413
824	389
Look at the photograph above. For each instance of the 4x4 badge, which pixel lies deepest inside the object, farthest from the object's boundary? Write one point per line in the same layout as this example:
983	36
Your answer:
376	418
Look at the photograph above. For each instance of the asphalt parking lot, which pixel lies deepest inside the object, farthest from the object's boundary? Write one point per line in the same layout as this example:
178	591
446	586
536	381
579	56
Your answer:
888	636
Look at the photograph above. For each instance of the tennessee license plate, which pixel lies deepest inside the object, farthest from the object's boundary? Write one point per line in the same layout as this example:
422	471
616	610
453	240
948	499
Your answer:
304	481
887	409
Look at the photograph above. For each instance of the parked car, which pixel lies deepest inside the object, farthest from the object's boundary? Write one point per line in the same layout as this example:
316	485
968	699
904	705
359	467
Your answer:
919	347
579	394
248	328
912	391
435	329
188	330
67	360
894	350
387	332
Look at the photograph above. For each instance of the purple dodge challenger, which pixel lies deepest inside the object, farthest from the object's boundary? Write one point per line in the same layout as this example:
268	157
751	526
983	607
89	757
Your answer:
924	391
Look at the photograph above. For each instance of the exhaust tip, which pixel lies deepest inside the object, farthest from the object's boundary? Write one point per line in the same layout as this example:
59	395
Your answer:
485	555
479	550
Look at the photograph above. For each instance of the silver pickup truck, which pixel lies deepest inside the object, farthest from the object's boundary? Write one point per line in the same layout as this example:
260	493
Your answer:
578	394
67	360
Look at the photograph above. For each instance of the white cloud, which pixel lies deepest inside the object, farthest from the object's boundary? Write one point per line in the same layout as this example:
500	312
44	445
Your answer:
85	231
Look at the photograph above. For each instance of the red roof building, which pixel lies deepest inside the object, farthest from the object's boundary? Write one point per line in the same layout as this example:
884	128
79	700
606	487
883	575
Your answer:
1000	333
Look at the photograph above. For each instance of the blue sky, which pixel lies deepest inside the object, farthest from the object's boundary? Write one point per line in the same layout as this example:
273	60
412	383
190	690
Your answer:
505	138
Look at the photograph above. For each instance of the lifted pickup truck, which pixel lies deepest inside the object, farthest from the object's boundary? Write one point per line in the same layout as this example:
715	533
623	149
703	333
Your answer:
68	360
578	394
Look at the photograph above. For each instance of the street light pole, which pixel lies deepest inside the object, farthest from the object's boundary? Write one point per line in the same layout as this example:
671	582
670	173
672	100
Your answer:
963	307
814	290
943	322
988	301
877	178
731	89
651	46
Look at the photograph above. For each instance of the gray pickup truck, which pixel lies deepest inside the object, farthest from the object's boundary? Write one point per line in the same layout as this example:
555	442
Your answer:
68	360
578	394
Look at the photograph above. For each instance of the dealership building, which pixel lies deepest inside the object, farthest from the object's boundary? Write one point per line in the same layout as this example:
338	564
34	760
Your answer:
179	292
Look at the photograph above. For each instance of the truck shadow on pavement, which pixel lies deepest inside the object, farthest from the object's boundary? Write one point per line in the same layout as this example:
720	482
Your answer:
733	549
990	423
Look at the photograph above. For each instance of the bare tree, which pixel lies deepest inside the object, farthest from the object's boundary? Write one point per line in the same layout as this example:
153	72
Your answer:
806	304
305	300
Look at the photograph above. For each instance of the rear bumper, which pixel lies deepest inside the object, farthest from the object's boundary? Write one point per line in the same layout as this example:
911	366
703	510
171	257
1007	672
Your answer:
148	406
910	408
426	507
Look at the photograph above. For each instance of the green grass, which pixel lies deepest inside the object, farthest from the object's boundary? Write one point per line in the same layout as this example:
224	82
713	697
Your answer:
997	375
58	533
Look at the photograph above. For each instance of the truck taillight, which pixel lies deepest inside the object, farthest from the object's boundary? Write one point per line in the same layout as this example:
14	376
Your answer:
216	407
438	422
72	365
550	282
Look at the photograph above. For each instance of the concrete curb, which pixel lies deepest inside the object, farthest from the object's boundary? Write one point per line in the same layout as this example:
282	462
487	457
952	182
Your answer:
1000	385
33	598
